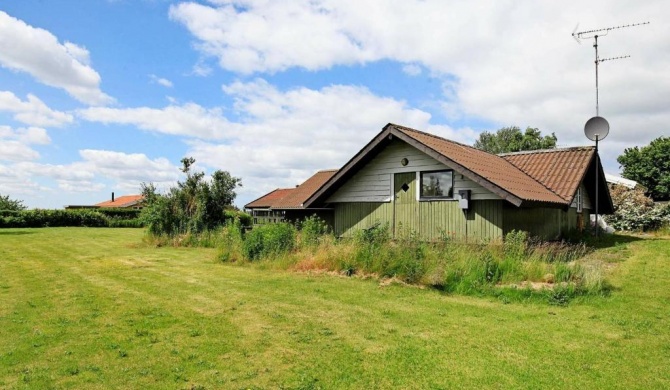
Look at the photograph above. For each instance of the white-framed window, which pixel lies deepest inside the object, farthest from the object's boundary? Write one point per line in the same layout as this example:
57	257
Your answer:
436	184
578	199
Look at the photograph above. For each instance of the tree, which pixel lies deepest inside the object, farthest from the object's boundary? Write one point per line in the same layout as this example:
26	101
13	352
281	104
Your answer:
511	139
649	166
194	205
11	204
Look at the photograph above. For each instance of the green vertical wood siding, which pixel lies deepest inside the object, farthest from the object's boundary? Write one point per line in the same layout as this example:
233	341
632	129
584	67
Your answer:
546	223
350	217
405	203
485	219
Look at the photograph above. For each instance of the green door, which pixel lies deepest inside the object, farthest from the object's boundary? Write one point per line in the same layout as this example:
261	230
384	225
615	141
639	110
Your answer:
405	211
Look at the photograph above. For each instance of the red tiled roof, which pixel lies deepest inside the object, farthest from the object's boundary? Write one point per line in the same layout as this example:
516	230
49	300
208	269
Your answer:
296	198
494	169
122	201
560	170
267	200
544	176
292	198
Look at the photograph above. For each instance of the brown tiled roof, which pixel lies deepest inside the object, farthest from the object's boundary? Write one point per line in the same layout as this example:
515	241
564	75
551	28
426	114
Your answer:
560	170
493	169
267	200
122	201
298	195
292	198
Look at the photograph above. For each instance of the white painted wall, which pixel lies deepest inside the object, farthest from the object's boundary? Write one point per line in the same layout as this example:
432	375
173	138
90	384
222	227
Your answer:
374	181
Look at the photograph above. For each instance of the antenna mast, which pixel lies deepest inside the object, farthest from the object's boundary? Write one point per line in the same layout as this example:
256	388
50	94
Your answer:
597	128
601	32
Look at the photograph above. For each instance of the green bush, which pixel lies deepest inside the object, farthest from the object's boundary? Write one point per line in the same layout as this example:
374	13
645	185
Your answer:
56	218
193	206
311	229
231	246
269	240
515	245
52	218
231	215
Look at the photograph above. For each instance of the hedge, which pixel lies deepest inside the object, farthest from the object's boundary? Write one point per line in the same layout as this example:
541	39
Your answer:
58	218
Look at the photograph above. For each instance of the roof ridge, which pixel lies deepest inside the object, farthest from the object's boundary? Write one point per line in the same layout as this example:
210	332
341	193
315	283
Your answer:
436	136
565	149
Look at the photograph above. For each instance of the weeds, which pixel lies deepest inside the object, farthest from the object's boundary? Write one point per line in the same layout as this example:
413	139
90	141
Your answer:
547	270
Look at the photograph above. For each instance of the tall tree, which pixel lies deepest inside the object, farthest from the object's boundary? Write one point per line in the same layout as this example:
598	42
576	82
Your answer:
511	139
194	205
649	166
11	204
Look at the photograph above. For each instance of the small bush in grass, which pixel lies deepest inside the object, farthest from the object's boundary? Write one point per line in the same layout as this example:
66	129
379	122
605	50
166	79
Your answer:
230	249
515	245
269	240
311	230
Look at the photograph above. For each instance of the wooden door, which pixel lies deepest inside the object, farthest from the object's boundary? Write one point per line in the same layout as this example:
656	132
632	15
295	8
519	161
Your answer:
405	211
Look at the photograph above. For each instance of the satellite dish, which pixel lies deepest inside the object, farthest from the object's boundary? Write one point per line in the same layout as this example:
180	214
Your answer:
596	128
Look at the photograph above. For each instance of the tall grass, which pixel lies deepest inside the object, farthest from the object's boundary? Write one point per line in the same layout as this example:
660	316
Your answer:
517	267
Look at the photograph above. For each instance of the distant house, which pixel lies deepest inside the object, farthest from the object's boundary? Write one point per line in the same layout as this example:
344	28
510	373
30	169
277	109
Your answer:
433	186
287	204
125	202
618	180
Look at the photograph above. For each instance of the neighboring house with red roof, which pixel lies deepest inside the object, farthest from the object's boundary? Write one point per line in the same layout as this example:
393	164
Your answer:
433	186
286	204
125	202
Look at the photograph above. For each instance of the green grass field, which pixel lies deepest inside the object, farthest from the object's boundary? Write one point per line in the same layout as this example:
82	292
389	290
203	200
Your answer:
96	308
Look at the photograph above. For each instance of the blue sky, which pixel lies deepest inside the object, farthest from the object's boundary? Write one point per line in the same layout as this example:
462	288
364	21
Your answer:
98	96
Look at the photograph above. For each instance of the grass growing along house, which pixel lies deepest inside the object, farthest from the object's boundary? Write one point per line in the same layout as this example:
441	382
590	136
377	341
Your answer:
516	269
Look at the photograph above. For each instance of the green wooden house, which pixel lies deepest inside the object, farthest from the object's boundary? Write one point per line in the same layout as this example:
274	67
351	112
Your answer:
419	182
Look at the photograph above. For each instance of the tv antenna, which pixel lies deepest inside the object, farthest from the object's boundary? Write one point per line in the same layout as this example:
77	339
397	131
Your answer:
597	128
594	34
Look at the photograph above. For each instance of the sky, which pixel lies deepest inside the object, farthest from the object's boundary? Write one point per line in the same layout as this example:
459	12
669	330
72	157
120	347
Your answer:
99	96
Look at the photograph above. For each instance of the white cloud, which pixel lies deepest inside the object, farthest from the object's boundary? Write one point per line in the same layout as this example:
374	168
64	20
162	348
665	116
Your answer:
123	171
501	62
14	183
188	119
11	150
283	137
38	52
161	81
32	111
412	69
129	167
201	69
15	144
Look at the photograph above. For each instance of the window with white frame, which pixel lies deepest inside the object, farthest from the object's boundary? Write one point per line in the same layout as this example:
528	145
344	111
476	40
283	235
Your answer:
437	184
578	199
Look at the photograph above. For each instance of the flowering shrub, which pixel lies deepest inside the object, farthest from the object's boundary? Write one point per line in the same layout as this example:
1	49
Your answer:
633	211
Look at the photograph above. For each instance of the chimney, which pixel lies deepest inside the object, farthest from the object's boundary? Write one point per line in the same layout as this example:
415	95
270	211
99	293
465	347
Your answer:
112	197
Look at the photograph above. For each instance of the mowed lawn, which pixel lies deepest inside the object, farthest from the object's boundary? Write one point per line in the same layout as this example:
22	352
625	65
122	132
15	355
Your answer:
96	308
